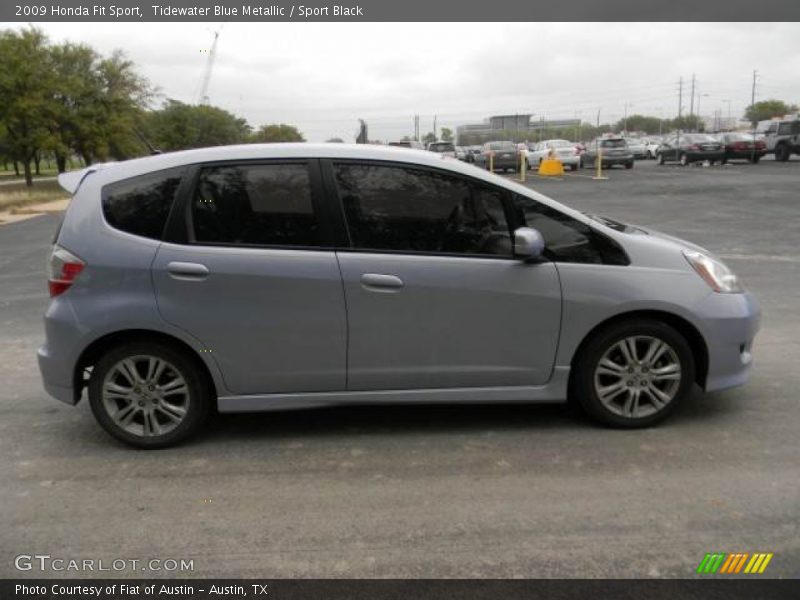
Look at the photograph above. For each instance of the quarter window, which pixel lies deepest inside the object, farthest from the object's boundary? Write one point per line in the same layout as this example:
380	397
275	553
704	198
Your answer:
262	205
567	239
411	210
141	205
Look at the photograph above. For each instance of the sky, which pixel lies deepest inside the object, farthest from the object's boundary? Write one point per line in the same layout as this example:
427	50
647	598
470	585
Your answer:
323	77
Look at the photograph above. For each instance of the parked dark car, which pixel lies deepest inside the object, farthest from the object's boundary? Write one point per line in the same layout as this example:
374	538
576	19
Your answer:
686	148
504	156
742	145
612	151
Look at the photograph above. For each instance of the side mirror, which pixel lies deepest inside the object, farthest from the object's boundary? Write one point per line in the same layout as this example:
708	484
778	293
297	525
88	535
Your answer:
528	243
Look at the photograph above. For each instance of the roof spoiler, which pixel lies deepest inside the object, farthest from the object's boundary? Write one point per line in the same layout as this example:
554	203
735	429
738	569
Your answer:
72	181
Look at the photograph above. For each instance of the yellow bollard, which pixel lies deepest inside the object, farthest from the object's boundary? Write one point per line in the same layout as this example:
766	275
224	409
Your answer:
599	165
491	162
523	167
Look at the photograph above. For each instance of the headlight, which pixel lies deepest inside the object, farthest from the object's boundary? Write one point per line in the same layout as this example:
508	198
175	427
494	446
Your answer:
718	277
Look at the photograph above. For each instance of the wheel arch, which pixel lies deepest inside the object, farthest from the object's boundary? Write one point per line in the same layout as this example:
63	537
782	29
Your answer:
98	347
692	335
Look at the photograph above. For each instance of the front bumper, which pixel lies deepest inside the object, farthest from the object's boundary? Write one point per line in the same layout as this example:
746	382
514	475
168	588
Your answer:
730	323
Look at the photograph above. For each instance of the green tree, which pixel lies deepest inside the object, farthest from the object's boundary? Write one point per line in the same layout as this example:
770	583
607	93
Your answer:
687	123
178	126
428	138
447	134
335	140
766	109
636	123
26	90
269	134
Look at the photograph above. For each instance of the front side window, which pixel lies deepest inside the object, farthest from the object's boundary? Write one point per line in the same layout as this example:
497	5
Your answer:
403	209
255	204
141	205
567	239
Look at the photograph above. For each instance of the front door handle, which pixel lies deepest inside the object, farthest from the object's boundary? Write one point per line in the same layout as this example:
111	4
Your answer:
187	270
376	280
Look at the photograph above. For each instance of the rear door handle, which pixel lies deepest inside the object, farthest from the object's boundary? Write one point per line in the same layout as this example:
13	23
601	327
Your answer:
376	280
187	270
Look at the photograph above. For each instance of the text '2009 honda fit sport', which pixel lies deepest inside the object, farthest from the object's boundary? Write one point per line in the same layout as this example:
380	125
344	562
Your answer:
279	276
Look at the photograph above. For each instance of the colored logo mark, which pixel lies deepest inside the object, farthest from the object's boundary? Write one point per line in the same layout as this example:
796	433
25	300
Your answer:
731	564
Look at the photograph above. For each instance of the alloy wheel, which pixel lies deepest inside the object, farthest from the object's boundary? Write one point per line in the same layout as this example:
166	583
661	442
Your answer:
637	376
145	396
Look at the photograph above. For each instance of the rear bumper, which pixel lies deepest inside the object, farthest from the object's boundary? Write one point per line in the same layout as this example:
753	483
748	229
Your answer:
698	156
731	322
52	378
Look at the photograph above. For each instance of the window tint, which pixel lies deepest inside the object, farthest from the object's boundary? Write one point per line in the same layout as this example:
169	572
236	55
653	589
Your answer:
140	205
614	144
403	209
255	205
785	128
567	239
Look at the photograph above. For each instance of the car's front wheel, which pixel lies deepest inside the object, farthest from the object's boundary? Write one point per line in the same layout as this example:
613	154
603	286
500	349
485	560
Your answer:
633	373
149	395
660	158
684	160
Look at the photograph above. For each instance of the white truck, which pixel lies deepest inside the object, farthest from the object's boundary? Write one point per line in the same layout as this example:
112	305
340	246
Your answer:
782	136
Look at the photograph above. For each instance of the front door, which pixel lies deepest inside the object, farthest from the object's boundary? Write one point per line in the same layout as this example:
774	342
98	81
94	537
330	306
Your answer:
435	298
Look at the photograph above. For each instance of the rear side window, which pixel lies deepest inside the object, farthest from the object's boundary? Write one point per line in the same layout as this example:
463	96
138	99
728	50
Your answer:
261	205
141	205
567	239
409	210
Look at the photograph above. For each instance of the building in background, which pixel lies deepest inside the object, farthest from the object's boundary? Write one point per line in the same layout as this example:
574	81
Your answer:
518	128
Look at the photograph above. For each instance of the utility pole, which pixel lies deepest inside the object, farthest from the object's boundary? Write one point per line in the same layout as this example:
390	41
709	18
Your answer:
434	128
691	102
753	94
680	96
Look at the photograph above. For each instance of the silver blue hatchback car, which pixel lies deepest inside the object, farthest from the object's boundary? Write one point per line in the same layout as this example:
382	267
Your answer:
267	277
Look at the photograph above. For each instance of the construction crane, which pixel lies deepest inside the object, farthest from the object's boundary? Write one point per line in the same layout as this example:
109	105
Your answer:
212	55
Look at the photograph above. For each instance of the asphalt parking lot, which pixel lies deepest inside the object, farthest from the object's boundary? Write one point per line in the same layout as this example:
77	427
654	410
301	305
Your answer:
456	491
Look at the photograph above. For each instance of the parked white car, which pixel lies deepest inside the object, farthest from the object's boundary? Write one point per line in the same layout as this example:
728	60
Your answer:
564	150
651	145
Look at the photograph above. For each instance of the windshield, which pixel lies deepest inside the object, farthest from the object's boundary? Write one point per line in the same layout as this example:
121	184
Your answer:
500	146
559	144
698	137
443	147
613	144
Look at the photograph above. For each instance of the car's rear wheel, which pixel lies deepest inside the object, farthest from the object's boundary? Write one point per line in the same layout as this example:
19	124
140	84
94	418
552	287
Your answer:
782	152
754	159
573	167
660	158
684	160
629	165
633	373
149	395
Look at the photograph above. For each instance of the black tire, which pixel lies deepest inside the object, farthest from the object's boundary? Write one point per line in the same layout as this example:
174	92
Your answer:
198	404
754	159
629	165
724	161
782	152
582	387
659	158
573	167
683	160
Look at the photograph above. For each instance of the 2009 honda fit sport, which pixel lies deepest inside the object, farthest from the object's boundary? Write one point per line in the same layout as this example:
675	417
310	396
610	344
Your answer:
286	276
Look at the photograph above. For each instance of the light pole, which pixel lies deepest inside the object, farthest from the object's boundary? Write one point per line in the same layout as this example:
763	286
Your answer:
699	116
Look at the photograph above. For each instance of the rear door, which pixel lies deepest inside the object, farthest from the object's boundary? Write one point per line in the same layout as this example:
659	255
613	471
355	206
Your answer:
256	280
435	298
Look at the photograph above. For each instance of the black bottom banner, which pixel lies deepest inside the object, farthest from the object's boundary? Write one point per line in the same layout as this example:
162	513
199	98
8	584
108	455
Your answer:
400	589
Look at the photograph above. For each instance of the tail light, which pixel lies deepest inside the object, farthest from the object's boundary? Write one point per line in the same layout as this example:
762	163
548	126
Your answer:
63	269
